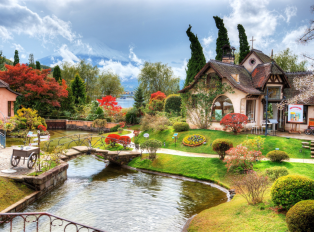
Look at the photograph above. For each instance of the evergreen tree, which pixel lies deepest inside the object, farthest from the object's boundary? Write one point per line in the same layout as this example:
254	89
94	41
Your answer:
79	90
57	73
2	62
244	44
31	61
38	65
68	103
197	60
138	98
16	58
222	37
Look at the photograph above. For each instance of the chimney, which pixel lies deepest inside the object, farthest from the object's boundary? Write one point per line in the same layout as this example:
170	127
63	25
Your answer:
228	54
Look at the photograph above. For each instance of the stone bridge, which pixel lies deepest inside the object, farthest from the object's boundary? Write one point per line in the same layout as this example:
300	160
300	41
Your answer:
118	157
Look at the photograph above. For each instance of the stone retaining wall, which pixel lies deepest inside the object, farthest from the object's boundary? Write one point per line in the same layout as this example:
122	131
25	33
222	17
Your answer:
75	125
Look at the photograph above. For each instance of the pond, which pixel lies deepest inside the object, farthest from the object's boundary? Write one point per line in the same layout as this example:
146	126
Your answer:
112	198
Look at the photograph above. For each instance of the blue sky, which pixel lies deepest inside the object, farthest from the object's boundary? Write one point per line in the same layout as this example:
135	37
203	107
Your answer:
130	32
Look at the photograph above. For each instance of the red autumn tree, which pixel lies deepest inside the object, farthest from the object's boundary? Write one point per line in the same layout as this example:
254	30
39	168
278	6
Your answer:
125	140
156	102
110	105
36	87
112	139
234	121
160	96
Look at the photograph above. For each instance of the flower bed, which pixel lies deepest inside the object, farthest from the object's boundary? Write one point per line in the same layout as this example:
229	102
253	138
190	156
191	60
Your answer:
194	140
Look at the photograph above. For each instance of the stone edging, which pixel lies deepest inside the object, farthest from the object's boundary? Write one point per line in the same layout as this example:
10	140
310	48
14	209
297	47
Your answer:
21	204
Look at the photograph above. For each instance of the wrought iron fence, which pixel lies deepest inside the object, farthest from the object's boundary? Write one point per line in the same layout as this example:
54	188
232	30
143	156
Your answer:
32	221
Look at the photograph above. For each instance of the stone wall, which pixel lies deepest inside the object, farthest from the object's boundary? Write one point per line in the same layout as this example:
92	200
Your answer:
122	158
76	125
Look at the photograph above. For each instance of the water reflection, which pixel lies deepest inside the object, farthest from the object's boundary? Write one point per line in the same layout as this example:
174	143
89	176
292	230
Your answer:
116	199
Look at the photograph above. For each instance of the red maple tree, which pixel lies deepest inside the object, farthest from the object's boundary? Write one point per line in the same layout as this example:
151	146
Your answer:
112	139
110	105
157	96
34	85
125	140
234	121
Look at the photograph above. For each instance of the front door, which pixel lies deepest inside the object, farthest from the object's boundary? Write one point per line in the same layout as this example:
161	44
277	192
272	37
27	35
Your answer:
281	120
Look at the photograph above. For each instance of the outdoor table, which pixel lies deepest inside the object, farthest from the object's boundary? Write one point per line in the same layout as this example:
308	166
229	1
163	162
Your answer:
27	152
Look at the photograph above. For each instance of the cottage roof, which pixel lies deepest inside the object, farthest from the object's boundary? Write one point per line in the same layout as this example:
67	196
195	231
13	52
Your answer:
291	92
225	70
262	72
6	85
260	55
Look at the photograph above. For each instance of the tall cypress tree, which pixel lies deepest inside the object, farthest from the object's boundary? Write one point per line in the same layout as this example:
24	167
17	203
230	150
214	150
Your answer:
78	90
138	98
222	37
2	61
57	73
197	60
244	44
16	58
38	65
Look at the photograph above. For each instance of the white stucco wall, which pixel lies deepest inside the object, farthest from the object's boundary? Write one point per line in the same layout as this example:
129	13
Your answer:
247	64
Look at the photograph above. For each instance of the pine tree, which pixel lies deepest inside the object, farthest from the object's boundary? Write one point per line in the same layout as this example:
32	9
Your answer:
244	44
57	73
68	103
79	90
197	60
38	66
16	58
138	98
2	61
222	37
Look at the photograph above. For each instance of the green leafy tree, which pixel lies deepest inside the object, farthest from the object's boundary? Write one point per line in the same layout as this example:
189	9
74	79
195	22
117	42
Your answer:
2	61
138	98
57	73
289	61
16	58
156	77
38	66
244	45
79	90
197	60
109	84
222	37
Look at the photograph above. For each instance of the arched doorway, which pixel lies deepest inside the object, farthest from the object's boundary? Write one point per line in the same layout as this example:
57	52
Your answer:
221	107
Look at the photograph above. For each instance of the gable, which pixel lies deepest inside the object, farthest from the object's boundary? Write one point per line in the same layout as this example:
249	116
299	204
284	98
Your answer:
248	62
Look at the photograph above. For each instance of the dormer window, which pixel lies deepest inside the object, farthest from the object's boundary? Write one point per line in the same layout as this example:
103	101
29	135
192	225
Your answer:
235	77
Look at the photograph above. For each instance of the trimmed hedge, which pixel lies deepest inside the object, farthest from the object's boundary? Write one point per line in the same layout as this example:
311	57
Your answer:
301	216
181	126
221	146
115	128
277	156
173	103
276	172
289	190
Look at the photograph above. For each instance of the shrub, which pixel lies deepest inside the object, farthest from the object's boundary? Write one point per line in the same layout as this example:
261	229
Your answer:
276	172
193	140
131	117
155	106
277	156
120	130
252	187
242	157
22	125
234	121
124	140
173	120
288	190
156	123
151	145
115	128
122	124
112	139
181	126
100	113
158	96
173	103
221	146
301	216
42	128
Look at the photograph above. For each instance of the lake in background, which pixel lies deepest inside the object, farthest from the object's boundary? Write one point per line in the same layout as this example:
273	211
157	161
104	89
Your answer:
125	103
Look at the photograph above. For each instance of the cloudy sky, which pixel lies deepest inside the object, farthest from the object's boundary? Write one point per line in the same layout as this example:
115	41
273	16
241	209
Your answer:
129	32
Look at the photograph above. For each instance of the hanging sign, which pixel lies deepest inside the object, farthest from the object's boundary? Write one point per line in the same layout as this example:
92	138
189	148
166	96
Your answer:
146	135
295	113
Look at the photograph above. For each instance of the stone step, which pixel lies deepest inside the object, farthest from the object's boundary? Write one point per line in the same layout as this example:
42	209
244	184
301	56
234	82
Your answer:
305	143
312	148
72	152
307	147
312	156
312	152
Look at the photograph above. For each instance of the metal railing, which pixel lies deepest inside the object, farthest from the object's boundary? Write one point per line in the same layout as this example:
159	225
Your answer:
32	220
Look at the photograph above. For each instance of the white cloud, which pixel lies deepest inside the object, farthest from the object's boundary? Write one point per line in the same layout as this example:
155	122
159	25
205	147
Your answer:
290	11
180	71
208	53
17	47
23	56
208	40
19	19
11	59
257	20
123	71
67	56
134	58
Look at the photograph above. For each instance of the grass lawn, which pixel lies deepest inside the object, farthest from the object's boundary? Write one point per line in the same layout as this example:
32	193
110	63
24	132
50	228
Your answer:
291	146
235	215
11	192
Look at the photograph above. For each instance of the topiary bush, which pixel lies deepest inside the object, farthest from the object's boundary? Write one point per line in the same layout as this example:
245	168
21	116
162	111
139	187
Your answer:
151	145
181	126
173	103
301	216
277	156
276	172
288	190
221	146
115	128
